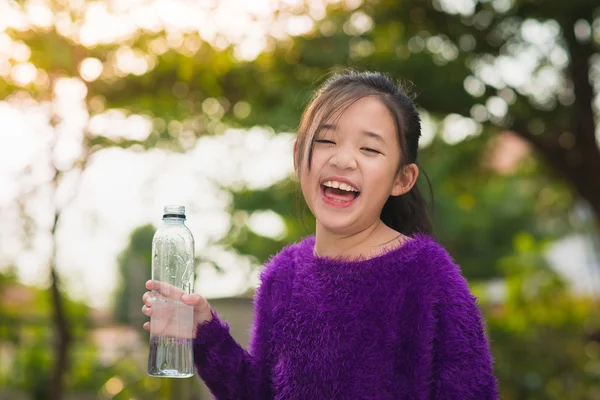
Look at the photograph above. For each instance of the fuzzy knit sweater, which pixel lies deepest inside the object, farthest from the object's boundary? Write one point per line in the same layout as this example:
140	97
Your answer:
402	325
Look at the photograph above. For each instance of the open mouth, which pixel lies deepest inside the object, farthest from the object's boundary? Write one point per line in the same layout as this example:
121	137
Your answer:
339	194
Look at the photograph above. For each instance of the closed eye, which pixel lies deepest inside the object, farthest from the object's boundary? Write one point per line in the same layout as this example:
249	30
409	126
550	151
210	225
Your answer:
370	150
324	141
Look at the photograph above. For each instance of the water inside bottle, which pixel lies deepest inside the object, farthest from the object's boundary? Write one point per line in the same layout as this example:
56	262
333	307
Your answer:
171	339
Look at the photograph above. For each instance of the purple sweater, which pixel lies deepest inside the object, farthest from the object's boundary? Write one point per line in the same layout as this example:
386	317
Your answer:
402	325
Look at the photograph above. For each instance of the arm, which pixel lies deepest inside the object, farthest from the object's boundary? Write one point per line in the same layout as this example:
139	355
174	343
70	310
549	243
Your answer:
229	371
462	363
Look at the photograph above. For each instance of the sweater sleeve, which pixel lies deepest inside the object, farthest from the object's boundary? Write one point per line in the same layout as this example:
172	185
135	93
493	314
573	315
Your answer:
462	363
229	371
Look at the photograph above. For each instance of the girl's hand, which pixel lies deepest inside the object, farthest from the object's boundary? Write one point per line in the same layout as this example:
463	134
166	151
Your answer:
173	313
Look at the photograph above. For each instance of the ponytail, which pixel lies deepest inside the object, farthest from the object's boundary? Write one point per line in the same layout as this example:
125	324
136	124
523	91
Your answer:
408	213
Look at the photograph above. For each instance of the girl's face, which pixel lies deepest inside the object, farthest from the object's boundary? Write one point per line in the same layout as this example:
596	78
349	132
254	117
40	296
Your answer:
354	168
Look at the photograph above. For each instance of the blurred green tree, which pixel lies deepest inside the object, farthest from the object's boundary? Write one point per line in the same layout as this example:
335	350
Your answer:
520	66
135	264
546	340
468	61
477	210
25	331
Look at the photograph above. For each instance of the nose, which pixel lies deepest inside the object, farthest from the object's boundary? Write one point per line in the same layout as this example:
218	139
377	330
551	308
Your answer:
343	159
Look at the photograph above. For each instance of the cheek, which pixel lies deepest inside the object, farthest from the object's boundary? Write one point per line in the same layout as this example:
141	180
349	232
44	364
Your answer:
317	162
319	156
307	180
304	175
382	176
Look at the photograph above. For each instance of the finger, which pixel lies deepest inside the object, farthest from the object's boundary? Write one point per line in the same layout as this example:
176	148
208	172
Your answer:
149	284
193	299
146	326
146	310
167	290
146	299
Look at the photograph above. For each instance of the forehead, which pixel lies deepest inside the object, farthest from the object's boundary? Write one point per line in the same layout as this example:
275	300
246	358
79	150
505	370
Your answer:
365	114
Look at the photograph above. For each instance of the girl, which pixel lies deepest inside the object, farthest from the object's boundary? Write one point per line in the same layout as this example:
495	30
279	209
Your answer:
370	307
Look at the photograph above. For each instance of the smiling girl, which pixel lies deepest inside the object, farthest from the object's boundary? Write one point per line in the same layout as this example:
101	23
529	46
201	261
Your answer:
371	306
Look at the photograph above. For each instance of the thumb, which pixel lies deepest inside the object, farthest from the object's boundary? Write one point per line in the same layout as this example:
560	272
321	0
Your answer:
191	299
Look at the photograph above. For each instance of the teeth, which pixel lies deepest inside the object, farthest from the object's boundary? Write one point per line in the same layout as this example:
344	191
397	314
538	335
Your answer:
339	185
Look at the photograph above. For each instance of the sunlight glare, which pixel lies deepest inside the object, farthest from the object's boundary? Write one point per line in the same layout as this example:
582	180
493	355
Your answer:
12	17
114	385
317	11
267	223
242	109
20	52
77	4
246	25
250	47
115	124
97	19
462	7
65	26
5	68
359	24
6	44
299	25
159	46
474	86
429	129
18	129
496	106
71	89
542	34
479	113
457	128
23	74
502	6
39	14
129	61
353	4
90	69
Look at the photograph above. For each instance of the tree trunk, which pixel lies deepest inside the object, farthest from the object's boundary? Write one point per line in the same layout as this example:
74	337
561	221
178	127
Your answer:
579	165
574	155
61	325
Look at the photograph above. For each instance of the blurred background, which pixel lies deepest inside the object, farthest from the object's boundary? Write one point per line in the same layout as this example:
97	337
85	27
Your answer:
111	109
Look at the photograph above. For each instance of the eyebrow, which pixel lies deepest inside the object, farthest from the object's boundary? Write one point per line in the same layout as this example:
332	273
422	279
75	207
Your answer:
374	135
370	134
327	126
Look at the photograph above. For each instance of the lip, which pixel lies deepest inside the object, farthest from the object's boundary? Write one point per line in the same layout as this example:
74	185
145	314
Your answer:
341	180
335	204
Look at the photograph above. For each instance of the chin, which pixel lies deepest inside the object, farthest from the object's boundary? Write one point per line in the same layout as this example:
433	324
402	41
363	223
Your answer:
337	226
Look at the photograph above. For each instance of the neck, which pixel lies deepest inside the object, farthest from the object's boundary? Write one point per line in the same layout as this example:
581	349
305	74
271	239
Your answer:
362	243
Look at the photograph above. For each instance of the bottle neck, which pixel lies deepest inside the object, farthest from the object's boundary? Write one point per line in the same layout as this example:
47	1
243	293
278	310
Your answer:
173	220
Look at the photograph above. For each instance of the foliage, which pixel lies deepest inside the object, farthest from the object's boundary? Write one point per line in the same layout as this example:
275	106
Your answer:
25	327
476	210
462	59
457	56
545	339
283	198
135	264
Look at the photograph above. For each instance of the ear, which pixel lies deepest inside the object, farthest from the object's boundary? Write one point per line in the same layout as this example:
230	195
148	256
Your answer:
405	179
296	156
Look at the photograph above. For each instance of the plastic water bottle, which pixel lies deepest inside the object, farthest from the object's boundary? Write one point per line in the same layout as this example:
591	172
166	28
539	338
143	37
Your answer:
171	323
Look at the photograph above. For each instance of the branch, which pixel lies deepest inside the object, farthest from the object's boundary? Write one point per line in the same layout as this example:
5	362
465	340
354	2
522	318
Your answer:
546	143
583	125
